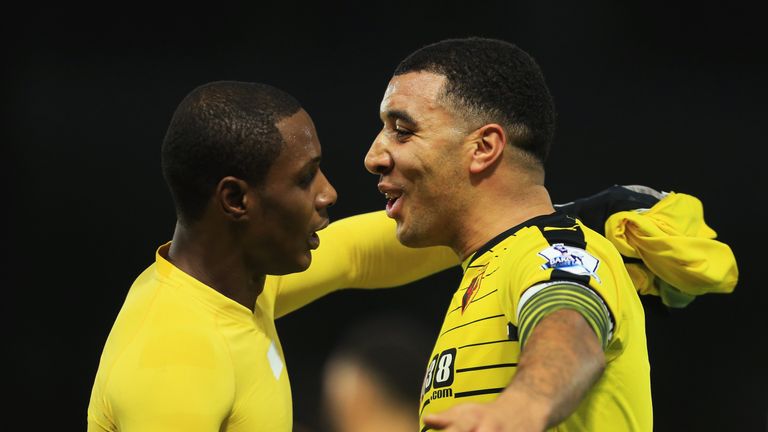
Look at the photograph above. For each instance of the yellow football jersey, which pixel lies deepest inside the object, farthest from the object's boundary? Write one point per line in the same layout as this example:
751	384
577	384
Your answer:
181	356
477	350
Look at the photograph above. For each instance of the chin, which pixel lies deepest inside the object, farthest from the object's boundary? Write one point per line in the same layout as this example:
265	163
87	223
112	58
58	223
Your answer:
303	264
299	265
417	239
410	239
304	261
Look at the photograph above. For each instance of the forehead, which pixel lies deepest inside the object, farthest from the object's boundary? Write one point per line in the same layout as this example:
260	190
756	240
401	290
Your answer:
416	93
299	136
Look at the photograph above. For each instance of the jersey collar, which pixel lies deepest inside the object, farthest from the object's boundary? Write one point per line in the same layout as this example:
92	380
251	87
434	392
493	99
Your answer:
194	287
536	220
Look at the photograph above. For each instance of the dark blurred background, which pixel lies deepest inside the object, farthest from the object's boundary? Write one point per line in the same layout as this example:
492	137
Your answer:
670	96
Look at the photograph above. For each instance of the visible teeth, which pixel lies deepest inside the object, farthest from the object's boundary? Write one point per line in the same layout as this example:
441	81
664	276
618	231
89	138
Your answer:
391	196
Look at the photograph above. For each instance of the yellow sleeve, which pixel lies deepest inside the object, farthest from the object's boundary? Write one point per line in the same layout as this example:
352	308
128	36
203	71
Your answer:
676	245
529	270
360	251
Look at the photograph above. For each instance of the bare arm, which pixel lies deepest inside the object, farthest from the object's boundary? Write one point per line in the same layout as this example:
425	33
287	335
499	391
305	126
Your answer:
560	362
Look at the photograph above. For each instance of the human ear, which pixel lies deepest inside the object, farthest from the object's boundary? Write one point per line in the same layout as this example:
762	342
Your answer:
232	196
488	147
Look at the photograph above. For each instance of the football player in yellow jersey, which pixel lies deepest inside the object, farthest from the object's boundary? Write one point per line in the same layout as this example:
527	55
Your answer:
546	329
194	346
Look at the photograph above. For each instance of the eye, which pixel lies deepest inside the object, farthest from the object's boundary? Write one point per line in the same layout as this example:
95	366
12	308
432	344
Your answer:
402	133
306	179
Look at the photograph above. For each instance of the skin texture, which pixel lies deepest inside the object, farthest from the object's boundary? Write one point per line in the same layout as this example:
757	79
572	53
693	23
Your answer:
292	204
460	184
248	231
412	152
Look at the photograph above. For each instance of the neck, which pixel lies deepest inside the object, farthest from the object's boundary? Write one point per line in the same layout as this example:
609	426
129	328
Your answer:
212	259
493	213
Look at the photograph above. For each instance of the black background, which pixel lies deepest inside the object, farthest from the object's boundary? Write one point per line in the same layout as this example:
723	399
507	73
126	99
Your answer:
673	97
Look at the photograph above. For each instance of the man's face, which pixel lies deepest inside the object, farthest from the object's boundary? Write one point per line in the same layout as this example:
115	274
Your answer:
293	200
418	155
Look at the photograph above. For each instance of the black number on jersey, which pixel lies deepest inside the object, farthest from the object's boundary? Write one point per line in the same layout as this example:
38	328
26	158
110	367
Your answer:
428	376
440	370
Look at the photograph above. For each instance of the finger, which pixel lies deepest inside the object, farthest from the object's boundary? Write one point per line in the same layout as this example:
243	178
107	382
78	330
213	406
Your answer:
437	421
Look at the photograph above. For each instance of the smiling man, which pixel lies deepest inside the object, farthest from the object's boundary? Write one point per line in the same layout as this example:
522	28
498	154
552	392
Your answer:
546	329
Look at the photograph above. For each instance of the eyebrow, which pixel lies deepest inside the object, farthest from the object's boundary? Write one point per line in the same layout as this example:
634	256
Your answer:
399	115
314	161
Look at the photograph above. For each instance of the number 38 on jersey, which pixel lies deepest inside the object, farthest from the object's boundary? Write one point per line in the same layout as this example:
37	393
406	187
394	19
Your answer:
440	374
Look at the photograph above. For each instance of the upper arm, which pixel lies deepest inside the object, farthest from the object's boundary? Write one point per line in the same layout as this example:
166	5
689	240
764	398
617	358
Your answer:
177	399
561	273
540	301
180	381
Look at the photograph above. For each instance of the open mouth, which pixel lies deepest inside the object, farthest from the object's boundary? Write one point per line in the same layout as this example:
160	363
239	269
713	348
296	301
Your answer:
394	203
314	239
394	195
391	199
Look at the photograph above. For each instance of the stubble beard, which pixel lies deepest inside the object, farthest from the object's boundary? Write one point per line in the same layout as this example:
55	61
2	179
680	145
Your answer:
420	232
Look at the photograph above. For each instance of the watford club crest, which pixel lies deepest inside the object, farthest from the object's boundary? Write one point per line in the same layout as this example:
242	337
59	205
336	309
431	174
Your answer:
472	289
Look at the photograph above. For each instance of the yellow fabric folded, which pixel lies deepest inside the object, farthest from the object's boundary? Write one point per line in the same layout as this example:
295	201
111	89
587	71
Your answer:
675	245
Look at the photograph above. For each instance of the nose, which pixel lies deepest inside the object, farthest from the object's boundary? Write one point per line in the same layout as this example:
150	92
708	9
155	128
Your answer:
378	160
327	196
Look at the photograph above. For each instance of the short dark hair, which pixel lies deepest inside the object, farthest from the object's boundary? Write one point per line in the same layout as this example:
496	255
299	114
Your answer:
491	80
222	128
